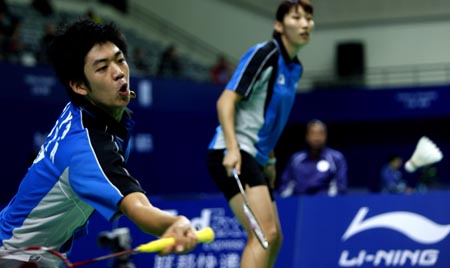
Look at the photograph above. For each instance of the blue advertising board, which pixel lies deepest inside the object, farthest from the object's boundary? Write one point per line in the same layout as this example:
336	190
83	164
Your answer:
361	230
209	211
374	231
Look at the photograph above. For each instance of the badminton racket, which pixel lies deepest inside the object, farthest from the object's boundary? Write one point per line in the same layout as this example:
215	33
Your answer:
251	218
205	235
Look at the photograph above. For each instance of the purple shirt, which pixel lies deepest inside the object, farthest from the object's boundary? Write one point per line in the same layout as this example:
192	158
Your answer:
392	179
304	175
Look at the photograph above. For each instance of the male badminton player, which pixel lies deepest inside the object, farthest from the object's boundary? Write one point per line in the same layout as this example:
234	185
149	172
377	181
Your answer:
253	111
82	165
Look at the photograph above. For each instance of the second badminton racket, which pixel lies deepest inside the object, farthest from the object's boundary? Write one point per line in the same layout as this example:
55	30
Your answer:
253	222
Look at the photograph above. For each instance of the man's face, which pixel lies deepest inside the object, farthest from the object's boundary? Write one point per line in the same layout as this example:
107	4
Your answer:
397	162
108	75
316	136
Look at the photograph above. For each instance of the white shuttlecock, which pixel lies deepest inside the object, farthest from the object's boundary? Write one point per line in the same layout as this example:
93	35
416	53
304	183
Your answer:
426	153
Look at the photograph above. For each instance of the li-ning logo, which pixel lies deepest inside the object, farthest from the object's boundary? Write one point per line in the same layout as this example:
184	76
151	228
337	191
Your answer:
414	226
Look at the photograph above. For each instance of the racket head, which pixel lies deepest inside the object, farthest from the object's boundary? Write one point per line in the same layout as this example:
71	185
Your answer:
34	256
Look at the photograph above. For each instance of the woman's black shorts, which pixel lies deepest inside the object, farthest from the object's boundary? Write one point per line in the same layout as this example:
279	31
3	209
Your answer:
251	173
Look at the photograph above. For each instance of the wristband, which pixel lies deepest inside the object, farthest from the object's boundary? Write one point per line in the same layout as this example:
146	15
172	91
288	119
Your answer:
271	161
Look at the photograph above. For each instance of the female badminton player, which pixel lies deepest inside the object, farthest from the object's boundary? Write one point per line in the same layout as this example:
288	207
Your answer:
253	111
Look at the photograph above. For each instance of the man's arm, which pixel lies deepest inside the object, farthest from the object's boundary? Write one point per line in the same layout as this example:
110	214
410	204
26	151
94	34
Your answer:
155	221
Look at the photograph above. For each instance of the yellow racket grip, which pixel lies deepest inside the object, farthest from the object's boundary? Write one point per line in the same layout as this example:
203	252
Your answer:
205	235
156	245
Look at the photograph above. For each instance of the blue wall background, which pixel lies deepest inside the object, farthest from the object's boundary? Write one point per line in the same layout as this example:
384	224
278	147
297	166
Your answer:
176	120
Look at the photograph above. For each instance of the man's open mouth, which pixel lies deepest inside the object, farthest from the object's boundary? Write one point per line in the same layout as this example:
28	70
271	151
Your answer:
123	89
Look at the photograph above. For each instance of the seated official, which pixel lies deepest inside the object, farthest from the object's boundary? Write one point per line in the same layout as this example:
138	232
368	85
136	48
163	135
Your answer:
316	170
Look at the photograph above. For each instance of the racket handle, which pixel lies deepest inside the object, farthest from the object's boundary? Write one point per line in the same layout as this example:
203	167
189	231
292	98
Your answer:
203	236
156	245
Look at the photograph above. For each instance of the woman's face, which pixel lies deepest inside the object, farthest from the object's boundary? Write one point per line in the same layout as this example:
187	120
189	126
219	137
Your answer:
296	28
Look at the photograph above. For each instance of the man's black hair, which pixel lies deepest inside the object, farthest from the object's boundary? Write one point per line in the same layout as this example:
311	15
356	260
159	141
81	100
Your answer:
68	49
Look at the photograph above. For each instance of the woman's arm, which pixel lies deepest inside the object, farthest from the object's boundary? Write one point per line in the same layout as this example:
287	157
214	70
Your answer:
226	105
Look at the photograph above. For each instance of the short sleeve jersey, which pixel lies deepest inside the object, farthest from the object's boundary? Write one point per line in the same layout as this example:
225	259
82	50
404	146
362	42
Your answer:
267	79
81	167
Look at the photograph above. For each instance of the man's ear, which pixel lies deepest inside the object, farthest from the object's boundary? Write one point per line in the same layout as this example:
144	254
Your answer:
79	88
278	26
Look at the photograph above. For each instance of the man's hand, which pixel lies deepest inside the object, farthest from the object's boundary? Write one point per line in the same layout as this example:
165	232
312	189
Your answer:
184	235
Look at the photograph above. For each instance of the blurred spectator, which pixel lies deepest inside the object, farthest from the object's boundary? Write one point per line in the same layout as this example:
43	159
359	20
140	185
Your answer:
3	32
7	24
44	7
391	176
92	15
12	45
47	37
427	178
140	61
121	5
222	71
169	64
12	48
4	8
316	170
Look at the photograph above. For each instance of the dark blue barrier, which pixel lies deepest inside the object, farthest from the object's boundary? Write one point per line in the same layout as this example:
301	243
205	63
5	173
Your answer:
375	230
176	120
339	105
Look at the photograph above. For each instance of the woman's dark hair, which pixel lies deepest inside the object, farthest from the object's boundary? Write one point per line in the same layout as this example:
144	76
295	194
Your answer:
68	49
286	6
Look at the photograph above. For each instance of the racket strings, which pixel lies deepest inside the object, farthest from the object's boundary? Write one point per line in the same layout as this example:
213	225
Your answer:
35	254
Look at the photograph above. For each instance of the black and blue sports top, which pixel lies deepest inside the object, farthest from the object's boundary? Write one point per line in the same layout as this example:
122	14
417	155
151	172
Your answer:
81	167
267	79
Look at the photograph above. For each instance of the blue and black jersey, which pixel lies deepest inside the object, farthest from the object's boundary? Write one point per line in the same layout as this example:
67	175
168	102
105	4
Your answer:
267	79
81	167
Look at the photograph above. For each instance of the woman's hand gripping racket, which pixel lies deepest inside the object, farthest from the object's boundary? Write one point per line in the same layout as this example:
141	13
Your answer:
252	221
203	236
